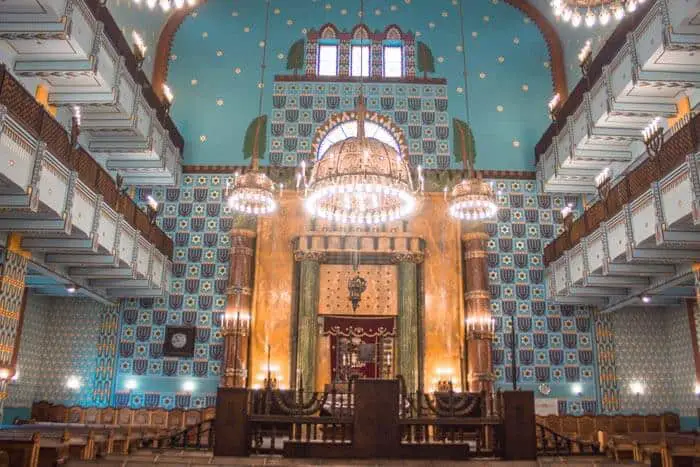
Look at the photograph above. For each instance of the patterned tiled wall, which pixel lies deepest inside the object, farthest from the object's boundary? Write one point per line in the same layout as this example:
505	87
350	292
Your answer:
554	344
198	221
608	386
653	346
60	339
419	109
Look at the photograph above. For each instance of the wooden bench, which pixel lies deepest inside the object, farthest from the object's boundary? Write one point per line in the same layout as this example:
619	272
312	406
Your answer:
641	446
671	450
32	449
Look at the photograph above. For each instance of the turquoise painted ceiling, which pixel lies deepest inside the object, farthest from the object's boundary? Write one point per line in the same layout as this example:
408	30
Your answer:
214	67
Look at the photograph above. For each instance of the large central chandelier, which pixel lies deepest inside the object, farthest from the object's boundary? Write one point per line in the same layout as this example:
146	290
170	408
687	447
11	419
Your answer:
591	12
361	180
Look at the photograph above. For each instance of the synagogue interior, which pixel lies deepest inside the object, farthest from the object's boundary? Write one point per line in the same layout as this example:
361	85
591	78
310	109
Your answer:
301	225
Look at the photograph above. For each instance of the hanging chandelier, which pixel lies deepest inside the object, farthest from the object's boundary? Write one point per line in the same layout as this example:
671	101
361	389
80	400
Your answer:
253	192
167	5
592	12
472	200
360	180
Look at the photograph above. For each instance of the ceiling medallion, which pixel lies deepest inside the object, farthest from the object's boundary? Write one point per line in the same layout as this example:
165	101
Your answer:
472	199
361	180
592	12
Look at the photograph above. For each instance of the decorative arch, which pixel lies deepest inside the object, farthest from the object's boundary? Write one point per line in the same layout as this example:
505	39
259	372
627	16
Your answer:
328	31
556	52
384	124
360	32
393	32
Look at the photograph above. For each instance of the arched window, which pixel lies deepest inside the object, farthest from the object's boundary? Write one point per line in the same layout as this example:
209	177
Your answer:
348	129
328	52
392	53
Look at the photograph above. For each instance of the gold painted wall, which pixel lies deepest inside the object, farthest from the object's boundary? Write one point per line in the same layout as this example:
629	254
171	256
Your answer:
272	296
273	293
378	299
443	314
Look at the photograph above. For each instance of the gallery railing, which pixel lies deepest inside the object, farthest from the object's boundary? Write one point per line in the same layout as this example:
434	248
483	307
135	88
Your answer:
684	139
39	124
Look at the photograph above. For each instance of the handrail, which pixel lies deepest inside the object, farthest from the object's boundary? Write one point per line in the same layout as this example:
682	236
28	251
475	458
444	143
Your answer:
116	37
562	445
612	47
683	141
36	121
181	439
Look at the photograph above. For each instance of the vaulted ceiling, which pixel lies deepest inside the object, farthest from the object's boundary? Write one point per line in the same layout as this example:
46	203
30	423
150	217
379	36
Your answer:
213	65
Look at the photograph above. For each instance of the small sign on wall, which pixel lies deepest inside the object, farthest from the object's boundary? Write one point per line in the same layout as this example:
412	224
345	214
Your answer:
179	341
545	407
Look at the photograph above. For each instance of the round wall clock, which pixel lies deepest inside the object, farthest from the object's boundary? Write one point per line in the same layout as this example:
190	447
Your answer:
179	340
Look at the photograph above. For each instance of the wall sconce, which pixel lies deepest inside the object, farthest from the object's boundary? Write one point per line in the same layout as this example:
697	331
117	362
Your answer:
697	389
130	384
637	388
577	389
73	383
646	299
188	386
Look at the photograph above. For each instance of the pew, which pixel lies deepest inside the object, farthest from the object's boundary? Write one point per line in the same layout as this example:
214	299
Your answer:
642	447
25	448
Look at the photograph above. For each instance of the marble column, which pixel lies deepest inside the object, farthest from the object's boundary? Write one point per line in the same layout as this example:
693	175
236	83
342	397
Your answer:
307	317
239	295
407	326
477	309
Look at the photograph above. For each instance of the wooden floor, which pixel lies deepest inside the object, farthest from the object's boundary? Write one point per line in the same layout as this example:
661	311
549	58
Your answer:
201	459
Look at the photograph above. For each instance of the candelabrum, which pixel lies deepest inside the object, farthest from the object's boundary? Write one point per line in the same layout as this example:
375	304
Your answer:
152	210
235	328
585	59
75	127
169	97
480	327
603	183
139	49
553	107
653	136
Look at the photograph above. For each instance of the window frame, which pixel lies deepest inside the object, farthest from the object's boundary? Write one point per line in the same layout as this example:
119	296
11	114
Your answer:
393	45
361	44
323	45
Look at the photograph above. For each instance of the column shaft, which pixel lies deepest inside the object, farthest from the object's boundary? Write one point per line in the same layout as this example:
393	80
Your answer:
407	324
239	296
307	330
477	310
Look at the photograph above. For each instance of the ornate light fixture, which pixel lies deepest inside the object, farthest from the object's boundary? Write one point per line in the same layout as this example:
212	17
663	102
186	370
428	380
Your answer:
472	199
253	192
167	5
592	12
360	180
